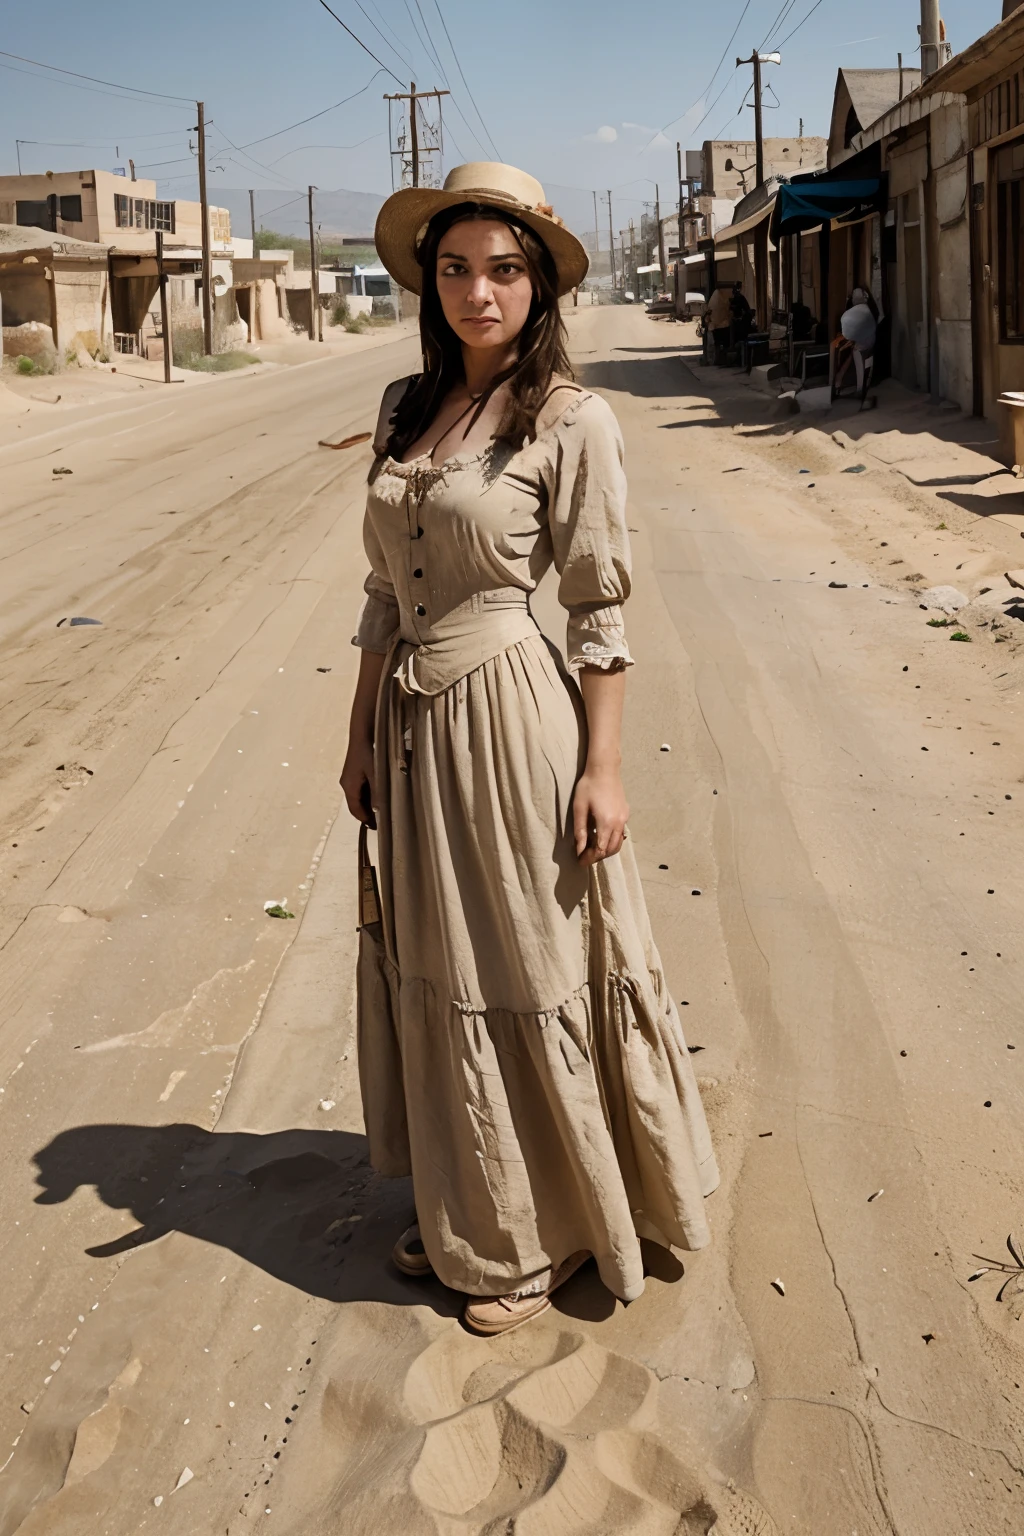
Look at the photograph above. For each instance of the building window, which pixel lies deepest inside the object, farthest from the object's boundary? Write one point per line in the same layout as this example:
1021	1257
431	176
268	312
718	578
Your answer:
71	209
1010	234
35	214
142	213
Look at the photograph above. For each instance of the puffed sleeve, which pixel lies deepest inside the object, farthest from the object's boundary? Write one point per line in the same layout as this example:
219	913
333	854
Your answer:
587	516
378	617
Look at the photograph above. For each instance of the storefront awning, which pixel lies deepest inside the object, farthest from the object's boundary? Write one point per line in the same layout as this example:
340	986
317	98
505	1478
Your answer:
802	205
732	232
656	267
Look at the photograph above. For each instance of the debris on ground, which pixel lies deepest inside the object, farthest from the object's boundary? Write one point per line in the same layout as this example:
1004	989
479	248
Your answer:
777	1285
61	470
276	909
186	1477
948	599
347	442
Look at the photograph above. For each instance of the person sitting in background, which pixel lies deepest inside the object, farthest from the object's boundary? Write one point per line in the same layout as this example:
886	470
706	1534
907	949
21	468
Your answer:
716	322
858	328
803	322
741	316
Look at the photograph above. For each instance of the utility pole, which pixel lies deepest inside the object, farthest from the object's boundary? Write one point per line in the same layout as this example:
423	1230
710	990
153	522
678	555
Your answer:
314	280
761	230
252	218
931	32
412	97
680	241
414	135
802	121
661	236
899	66
204	207
597	229
611	240
165	324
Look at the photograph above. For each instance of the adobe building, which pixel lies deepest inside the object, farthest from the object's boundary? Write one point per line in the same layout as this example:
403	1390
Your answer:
123	216
54	295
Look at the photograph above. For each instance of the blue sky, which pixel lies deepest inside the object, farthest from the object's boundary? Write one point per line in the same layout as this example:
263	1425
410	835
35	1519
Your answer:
574	92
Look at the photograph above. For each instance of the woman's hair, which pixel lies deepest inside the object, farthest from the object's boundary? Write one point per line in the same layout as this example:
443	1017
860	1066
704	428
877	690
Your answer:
541	342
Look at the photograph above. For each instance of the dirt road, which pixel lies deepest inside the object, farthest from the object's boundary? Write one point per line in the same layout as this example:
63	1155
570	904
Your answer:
195	1277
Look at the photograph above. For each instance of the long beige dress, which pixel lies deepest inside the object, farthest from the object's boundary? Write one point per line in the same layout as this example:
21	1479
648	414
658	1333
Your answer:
525	1062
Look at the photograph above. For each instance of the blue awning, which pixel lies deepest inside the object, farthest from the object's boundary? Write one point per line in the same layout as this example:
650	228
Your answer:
803	204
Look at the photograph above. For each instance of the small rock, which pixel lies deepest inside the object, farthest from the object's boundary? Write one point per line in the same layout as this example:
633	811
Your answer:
62	471
665	747
948	599
186	1477
323	669
158	1500
855	469
326	1104
777	1285
875	1195
837	584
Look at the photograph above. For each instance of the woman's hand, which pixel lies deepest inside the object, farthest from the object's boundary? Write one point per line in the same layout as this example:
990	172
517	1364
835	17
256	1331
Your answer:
357	779
599	814
357	775
599	809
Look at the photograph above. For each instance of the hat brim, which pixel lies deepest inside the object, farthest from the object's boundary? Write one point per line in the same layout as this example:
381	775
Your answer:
406	212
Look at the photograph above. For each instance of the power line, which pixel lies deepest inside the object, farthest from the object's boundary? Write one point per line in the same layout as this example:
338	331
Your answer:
396	51
433	52
359	40
134	89
75	86
780	17
303	147
126	137
462	76
703	94
799	24
313	116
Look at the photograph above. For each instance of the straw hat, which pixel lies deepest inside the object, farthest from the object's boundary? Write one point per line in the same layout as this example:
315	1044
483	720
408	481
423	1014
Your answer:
402	221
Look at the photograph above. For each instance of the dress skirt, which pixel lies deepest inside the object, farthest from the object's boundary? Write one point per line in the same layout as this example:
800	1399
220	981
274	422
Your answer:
522	1058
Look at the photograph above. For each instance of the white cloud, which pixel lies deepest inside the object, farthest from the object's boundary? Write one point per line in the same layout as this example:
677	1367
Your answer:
606	134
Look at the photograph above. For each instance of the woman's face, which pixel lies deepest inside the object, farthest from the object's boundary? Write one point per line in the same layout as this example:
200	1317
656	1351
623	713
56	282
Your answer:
484	284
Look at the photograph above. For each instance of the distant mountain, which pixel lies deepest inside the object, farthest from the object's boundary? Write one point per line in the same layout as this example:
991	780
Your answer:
336	213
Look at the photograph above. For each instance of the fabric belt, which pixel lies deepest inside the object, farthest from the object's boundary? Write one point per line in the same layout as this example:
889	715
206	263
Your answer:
475	632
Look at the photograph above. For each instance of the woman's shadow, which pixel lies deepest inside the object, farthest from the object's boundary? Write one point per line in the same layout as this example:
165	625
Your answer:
303	1205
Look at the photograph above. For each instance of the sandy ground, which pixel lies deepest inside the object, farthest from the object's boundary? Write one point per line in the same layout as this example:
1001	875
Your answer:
189	1215
51	396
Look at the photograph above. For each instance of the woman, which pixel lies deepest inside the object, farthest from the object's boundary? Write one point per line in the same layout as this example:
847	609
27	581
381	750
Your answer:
524	1061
